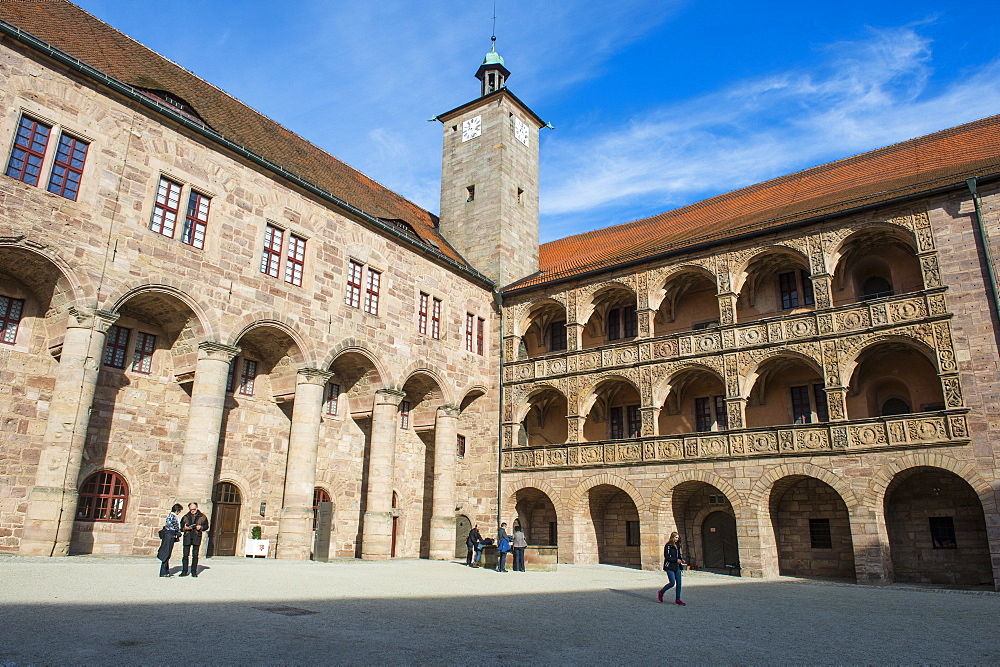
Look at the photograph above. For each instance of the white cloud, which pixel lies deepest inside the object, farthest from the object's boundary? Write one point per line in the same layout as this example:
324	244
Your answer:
866	95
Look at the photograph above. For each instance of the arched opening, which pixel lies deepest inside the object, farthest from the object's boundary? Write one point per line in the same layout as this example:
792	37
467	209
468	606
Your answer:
616	526
537	516
706	522
414	462
546	329
812	529
695	403
777	282
545	423
893	378
875	263
689	303
613	319
787	390
462	527
614	412
225	527
937	529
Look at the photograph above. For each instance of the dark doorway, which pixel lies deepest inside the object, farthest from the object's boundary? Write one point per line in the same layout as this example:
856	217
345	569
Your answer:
225	519
719	538
462	527
395	524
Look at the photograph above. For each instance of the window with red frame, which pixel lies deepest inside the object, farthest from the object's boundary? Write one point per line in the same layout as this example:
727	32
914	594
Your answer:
422	313
470	321
103	497
332	398
460	449
142	357
248	376
271	256
436	319
319	496
353	295
10	318
404	414
196	220
296	260
231	378
480	336
68	168
116	346
168	197
26	157
371	292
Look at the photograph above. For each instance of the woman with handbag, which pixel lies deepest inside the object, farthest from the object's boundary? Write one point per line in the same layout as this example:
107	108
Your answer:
503	548
673	562
168	535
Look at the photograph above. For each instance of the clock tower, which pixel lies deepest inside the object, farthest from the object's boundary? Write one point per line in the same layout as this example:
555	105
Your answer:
489	178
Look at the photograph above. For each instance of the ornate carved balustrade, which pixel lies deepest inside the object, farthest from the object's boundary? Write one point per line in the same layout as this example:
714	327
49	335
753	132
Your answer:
928	429
890	315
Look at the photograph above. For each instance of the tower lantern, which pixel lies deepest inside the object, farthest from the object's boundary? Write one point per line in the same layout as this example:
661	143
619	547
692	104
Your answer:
492	73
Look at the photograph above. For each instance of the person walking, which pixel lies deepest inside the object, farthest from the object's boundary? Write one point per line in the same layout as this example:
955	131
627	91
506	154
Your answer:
673	562
194	524
169	534
518	545
503	548
474	543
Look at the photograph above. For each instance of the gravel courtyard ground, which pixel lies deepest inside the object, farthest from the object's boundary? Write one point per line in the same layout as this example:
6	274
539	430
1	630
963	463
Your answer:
88	610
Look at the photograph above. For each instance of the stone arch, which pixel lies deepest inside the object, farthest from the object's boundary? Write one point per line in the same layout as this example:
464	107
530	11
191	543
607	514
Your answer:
659	291
126	468
303	350
742	271
528	309
470	394
875	494
660	504
663	387
206	324
588	394
425	368
750	378
899	230
576	499
77	287
761	490
356	346
849	359
523	405
591	294
511	488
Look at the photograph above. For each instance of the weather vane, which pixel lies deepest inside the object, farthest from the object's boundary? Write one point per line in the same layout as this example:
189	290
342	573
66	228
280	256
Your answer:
494	37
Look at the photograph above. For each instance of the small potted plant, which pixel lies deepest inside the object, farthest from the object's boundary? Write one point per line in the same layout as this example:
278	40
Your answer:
256	546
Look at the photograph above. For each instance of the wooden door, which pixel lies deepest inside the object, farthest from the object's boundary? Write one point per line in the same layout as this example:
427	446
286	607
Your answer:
462	527
719	540
225	528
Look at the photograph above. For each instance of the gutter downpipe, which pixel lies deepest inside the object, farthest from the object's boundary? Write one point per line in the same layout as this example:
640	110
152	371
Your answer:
498	301
985	239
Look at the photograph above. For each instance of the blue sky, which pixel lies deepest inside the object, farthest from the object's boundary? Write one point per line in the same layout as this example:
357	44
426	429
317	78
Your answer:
656	104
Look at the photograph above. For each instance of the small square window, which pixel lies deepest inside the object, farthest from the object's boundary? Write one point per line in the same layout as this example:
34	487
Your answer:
819	534
943	532
460	451
631	533
404	414
332	398
471	192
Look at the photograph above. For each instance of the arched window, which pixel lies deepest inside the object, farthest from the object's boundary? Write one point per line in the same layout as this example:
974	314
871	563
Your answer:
103	497
226	492
895	406
319	496
875	287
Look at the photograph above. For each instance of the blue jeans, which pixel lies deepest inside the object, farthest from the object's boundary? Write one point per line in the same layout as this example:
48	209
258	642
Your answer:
519	559
479	554
673	578
502	563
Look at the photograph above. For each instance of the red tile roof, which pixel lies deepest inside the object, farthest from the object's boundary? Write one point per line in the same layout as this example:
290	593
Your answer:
936	160
70	29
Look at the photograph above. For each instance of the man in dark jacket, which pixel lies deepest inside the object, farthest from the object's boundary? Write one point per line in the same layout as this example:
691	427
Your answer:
193	525
474	543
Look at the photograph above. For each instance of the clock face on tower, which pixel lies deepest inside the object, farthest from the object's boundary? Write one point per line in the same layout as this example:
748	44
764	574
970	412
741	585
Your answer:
520	131
472	128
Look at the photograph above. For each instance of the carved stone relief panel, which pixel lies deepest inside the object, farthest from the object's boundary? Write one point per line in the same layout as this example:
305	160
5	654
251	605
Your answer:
931	271
945	350
852	320
922	230
910	309
952	392
800	328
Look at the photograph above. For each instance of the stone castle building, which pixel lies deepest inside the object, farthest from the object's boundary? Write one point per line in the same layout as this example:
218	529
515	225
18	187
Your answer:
198	305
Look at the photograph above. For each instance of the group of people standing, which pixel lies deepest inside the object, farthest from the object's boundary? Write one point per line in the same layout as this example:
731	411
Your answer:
506	544
190	528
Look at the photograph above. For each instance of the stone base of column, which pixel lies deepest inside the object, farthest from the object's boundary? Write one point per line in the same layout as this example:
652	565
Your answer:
295	534
442	546
44	533
376	536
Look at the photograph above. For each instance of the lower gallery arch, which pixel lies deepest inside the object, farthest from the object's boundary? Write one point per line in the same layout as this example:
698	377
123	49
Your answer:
812	529
614	520
536	515
706	521
937	529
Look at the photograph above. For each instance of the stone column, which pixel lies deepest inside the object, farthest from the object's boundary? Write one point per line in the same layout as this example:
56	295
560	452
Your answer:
442	546
574	336
376	532
295	529
48	522
650	422
201	440
736	412
836	403
574	428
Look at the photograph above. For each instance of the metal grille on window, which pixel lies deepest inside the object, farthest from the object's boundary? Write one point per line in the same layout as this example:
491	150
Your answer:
168	196
142	357
819	534
10	317
68	168
29	150
196	220
271	256
116	346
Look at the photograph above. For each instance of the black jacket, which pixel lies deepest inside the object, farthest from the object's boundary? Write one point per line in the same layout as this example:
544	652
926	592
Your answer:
672	554
188	523
474	539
